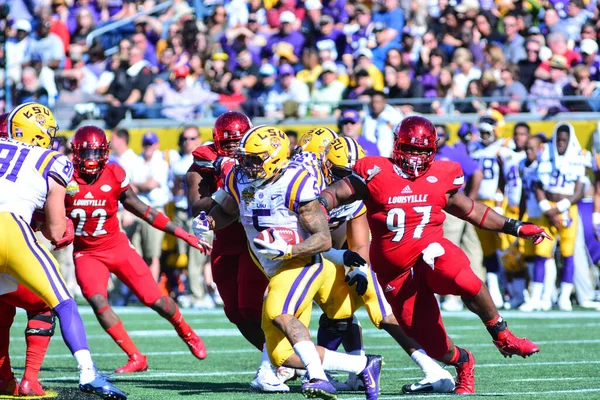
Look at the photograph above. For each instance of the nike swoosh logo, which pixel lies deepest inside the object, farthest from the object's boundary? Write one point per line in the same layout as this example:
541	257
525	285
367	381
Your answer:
421	388
372	381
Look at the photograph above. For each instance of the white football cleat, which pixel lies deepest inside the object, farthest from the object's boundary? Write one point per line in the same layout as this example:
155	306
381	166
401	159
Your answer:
441	382
266	381
285	374
564	304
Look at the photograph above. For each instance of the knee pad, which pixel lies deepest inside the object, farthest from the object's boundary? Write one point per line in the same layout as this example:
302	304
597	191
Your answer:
336	327
41	324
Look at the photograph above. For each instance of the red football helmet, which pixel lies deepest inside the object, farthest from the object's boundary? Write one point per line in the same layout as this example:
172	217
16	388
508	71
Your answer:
415	145
90	150
229	127
3	126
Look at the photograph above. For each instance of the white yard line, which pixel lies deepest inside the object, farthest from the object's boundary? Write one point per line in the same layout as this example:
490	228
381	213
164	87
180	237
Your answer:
544	392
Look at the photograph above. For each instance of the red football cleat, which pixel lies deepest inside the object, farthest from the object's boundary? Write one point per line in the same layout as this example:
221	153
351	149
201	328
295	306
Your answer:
510	345
8	385
465	376
136	363
31	388
196	345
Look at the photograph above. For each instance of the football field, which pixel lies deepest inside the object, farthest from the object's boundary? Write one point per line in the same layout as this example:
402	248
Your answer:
567	366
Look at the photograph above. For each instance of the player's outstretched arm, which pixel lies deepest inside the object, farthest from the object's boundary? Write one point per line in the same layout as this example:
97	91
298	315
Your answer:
484	217
314	221
198	193
344	191
158	220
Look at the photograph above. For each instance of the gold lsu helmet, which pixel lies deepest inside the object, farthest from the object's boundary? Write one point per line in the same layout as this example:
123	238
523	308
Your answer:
32	123
262	152
316	141
341	156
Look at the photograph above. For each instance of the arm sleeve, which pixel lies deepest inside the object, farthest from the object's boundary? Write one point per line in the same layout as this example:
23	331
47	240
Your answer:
60	169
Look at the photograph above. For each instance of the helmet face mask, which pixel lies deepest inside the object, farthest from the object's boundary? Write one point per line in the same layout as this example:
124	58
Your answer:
415	145
90	150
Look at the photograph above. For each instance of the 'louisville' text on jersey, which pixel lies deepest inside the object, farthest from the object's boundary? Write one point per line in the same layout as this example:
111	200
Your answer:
93	203
413	198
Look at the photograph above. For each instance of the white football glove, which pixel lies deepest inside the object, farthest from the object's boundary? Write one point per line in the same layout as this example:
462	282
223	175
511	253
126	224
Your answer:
279	249
200	226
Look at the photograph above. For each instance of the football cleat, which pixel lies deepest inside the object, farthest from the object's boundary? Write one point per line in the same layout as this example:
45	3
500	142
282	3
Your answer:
370	376
535	305
435	383
510	345
465	376
136	363
102	388
29	387
196	345
266	381
318	389
8	385
285	374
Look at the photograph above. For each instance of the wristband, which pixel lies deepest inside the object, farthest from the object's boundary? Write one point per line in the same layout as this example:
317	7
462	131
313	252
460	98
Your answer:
511	226
335	256
219	196
596	218
545	206
563	205
160	221
499	197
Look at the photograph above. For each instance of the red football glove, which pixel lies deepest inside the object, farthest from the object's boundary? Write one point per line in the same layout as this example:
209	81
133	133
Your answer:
533	232
67	238
193	241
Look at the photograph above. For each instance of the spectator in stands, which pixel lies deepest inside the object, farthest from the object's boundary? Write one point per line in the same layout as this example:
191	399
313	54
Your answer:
392	17
363	37
327	52
364	60
529	66
148	50
337	10
233	98
433	68
487	31
384	43
494	60
589	53
83	26
407	88
327	31
449	31
467	72
122	154
166	64
217	23
312	69
48	46
287	37
580	85
577	16
408	52
469	42
429	43
217	72
475	104
255	105
310	24
514	46
445	91
512	88
557	42
549	91
290	96
18	48
282	10
380	122
360	84
128	87
350	125
30	88
393	58
175	100
293	136
245	70
151	180
326	92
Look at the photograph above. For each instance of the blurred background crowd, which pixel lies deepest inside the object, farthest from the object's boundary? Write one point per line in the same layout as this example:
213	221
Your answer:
297	58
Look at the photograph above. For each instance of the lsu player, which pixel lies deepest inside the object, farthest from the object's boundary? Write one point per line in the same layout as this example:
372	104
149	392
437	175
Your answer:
486	152
330	158
34	177
240	283
100	248
266	191
561	168
510	158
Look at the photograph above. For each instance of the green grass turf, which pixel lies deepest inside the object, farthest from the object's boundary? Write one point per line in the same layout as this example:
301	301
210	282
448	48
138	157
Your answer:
566	367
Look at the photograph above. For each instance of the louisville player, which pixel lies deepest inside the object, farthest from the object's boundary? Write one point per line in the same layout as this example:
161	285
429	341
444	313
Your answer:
330	158
408	252
266	191
240	282
34	177
39	330
560	172
100	248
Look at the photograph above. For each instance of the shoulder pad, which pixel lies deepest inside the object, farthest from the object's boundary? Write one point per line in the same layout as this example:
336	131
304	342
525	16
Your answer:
205	153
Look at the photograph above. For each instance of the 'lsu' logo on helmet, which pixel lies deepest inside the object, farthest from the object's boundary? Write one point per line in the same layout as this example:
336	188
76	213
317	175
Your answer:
316	140
72	188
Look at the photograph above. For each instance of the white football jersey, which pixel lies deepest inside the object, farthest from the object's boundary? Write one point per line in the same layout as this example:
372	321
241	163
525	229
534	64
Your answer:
487	156
272	205
24	174
510	170
560	175
529	178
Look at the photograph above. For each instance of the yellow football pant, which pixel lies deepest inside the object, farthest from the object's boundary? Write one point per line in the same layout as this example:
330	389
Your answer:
31	264
490	241
567	235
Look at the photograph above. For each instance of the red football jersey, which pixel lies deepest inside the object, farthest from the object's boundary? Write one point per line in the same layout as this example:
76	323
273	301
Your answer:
405	215
93	208
232	239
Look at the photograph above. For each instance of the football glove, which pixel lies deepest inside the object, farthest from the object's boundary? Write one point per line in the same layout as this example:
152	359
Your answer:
353	259
200	226
533	232
196	242
358	275
223	165
67	238
279	249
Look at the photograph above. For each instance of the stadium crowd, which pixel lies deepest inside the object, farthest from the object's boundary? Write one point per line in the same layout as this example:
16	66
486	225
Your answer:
291	58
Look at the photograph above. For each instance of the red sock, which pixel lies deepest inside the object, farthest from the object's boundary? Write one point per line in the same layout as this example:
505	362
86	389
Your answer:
5	369
182	328
36	351
493	321
121	337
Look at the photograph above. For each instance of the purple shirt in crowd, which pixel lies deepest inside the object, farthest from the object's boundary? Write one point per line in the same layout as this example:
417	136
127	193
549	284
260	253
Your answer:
458	153
295	38
336	9
340	40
